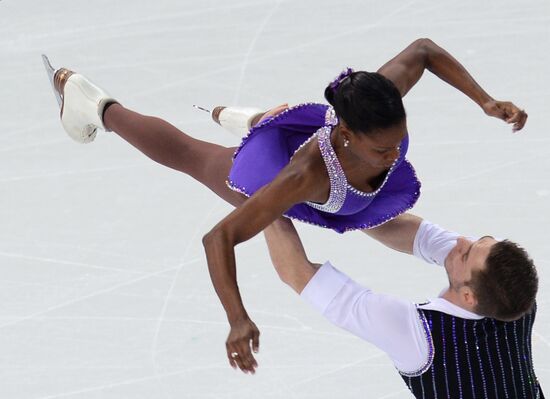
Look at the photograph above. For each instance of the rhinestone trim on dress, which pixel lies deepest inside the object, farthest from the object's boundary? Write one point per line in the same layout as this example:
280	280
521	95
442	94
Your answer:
375	192
267	121
337	178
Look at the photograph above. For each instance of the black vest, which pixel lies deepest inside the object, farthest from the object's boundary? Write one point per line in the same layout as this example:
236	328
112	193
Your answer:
476	359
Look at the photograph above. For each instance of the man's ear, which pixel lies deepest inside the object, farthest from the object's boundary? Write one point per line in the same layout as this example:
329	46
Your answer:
468	297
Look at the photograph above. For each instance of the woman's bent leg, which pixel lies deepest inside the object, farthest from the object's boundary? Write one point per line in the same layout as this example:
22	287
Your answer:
162	142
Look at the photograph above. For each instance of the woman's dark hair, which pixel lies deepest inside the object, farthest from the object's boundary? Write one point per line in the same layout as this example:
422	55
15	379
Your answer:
366	101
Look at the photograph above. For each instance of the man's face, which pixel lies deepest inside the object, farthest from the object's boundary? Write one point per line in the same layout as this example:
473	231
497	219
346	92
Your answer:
466	257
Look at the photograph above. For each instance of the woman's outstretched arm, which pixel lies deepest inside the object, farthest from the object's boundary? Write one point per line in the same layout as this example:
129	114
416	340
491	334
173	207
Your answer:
299	181
406	68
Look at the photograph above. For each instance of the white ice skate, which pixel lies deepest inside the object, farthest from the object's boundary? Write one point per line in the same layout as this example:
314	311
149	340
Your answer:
238	120
82	103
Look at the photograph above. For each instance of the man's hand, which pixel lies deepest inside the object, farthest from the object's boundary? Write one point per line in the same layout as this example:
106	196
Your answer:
244	337
506	111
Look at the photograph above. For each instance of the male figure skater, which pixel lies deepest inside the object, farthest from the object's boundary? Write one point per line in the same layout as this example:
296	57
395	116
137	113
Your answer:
473	341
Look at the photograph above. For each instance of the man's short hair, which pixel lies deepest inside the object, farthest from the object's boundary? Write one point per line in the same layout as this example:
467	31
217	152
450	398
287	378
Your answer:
506	288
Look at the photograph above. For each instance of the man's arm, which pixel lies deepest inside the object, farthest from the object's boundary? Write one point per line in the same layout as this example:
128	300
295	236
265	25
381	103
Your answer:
288	255
290	259
392	324
406	68
398	233
414	236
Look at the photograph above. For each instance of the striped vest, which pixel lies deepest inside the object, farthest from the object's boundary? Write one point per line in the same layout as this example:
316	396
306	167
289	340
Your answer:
476	359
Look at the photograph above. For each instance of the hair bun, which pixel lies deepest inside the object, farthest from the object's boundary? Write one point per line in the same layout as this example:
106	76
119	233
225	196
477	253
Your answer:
329	95
340	78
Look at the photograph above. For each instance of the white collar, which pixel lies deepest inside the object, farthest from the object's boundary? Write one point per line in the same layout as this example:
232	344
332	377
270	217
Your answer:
444	306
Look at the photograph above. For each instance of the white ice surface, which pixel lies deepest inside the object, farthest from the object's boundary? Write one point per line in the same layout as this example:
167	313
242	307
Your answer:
104	290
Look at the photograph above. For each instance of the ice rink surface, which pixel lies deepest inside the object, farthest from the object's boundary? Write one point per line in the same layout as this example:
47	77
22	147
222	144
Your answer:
104	289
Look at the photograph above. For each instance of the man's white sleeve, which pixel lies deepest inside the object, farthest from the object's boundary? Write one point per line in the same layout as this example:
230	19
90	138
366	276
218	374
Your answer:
432	243
392	324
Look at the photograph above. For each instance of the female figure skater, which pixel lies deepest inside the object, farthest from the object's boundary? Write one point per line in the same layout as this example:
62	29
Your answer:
341	166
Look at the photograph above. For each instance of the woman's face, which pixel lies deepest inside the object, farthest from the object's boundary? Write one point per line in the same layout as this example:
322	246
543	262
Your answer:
380	148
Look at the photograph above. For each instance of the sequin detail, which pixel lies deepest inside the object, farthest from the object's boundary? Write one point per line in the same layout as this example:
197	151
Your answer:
469	377
337	178
444	354
472	385
434	386
374	223
330	117
483	379
339	185
429	340
489	355
519	360
533	381
525	357
381	186
457	364
503	372
510	359
391	215
282	115
332	120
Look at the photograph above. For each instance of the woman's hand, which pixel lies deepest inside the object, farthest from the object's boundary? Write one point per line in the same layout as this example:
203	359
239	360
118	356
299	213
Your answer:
273	112
506	111
301	180
244	337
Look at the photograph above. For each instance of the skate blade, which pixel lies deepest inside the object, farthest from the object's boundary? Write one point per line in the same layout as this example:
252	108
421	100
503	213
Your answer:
202	108
51	73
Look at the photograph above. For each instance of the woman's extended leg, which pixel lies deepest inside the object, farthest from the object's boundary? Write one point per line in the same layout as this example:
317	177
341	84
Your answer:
162	142
85	108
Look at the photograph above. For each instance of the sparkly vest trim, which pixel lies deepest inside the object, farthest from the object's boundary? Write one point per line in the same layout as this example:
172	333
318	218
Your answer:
482	358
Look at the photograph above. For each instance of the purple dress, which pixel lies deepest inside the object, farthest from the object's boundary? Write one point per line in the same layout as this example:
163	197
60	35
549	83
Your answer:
270	145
